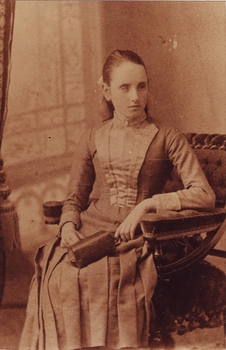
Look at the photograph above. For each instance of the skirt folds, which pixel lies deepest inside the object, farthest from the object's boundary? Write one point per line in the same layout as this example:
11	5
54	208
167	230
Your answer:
106	304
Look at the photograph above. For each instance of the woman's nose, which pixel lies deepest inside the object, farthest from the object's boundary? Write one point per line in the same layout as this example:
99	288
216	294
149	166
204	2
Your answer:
134	95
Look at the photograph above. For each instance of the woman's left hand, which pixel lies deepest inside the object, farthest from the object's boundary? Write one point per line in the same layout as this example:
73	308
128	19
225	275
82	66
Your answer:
126	230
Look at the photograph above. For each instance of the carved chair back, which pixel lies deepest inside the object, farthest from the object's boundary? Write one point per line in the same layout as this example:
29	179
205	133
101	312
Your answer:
210	151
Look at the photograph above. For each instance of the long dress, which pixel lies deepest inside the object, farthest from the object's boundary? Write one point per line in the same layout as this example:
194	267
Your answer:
109	303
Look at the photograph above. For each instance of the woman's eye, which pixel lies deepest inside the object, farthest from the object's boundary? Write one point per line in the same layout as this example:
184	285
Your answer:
124	87
142	86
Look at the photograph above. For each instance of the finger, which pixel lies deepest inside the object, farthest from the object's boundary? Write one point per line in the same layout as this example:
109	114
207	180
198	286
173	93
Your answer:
126	231
132	232
72	239
63	243
117	232
120	232
68	240
127	235
66	244
79	235
123	237
116	235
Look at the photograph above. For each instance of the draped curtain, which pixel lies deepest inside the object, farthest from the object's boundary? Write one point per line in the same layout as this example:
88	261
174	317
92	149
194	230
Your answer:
9	229
7	10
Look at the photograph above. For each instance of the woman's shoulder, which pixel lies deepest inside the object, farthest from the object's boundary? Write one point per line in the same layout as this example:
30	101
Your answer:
163	125
90	131
101	124
168	132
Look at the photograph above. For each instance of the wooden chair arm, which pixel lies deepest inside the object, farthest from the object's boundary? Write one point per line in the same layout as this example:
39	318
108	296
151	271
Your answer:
169	226
52	211
173	225
204	227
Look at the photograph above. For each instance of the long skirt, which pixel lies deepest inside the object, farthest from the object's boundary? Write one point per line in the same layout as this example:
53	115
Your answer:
107	304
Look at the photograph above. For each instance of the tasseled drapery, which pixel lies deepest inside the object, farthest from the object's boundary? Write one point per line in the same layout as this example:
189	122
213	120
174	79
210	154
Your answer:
9	227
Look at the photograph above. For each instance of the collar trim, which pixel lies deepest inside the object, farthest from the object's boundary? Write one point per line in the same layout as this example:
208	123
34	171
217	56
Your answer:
130	122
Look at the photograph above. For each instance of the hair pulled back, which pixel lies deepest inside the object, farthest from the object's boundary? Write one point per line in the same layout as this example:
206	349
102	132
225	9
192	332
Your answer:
115	59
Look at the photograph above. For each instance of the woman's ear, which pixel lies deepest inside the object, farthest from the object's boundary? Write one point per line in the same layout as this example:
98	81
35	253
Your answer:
106	91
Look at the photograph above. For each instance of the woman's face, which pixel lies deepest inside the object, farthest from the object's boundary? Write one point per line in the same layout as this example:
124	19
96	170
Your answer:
128	90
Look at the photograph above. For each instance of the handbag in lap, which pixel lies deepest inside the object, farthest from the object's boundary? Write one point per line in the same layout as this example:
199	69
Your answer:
92	248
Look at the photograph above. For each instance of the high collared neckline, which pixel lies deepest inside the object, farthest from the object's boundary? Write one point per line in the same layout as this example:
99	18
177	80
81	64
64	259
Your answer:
127	123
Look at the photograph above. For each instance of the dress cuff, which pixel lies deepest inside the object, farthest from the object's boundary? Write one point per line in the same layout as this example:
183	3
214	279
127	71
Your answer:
167	201
70	216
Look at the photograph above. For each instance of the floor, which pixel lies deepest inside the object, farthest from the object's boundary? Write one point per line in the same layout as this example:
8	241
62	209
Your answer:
12	313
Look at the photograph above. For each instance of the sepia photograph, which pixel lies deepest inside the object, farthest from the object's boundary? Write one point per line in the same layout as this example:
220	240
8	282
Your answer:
112	175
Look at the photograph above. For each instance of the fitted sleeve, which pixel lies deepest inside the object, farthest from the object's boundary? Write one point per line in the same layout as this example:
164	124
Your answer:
197	193
81	183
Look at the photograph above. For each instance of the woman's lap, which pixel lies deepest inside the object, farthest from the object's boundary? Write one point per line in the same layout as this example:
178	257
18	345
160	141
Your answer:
100	305
104	304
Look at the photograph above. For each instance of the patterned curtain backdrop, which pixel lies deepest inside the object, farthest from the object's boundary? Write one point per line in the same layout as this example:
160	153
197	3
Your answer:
9	228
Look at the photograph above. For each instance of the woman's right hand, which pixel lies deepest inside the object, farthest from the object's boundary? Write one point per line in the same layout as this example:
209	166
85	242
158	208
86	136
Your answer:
69	235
